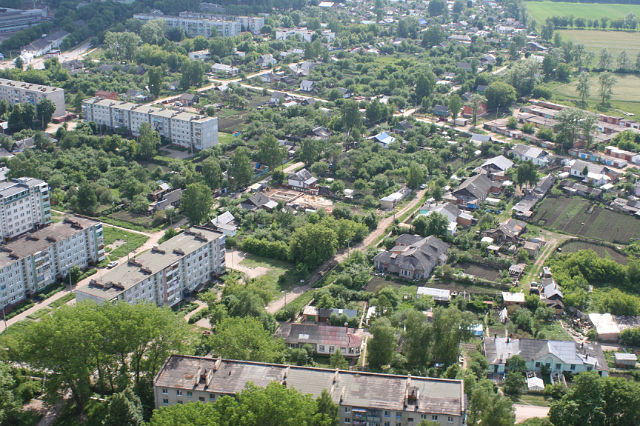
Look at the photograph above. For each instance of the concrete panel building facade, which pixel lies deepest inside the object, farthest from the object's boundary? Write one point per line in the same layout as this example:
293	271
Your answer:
24	204
164	274
363	398
195	24
19	92
185	129
39	258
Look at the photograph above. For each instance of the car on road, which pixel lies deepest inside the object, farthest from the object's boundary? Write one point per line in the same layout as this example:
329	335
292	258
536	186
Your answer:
112	264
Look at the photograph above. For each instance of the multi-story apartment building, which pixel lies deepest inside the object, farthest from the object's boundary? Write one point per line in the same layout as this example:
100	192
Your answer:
363	398
24	204
15	19
195	24
164	274
251	23
19	92
39	258
304	34
181	128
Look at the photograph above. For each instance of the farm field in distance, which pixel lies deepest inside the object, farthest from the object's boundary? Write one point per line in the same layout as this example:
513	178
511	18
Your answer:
625	97
574	246
579	216
614	41
541	10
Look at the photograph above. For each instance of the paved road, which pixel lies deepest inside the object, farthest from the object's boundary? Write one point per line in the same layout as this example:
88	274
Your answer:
369	240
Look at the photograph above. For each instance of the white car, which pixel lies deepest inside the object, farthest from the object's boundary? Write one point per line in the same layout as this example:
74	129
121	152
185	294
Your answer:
112	264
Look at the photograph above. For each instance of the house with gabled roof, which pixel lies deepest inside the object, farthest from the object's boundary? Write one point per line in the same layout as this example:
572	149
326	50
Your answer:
325	339
302	179
558	356
473	191
258	201
413	257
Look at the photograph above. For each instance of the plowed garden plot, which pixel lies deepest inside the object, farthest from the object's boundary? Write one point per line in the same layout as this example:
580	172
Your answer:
579	216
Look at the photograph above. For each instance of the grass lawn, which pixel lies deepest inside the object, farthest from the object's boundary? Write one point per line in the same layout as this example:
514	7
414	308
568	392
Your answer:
554	331
533	399
541	10
271	279
63	300
574	246
39	313
133	241
613	41
224	138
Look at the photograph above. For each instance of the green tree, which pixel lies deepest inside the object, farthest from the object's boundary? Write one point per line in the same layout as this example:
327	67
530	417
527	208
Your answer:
240	170
604	62
15	123
312	244
475	102
149	140
44	111
455	104
271	152
212	172
19	63
87	198
425	84
124	408
154	76
516	364
487	407
417	340
415	176
337	360
607	81
381	346
583	87
245	338
196	202
310	151
152	32
121	45
526	173
10	404
500	95
351	116
437	8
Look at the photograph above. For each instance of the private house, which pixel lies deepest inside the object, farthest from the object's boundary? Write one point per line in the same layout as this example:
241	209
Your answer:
473	191
441	111
496	167
606	326
450	211
390	201
170	200
481	110
533	46
302	180
325	339
592	173
508	231
188	99
225	223
478	140
322	315
306	85
383	139
402	127
413	257
558	356
537	156
266	61
625	360
509	298
258	201
361	396
224	69
551	294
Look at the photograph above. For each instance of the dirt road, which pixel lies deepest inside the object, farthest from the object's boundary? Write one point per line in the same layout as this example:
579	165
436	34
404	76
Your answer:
369	240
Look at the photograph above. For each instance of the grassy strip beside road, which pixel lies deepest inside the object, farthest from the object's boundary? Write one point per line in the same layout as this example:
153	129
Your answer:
131	241
62	301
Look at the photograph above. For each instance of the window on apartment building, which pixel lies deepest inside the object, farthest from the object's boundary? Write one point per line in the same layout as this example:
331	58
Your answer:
165	391
201	398
449	419
180	402
398	416
558	366
410	419
387	413
537	364
331	349
434	417
189	394
347	420
347	409
165	401
212	396
179	392
387	424
573	366
321	348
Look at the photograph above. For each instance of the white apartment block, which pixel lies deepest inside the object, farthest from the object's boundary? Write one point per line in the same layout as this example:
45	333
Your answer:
181	128
39	258
363	398
251	23
304	34
164	274
24	204
194	24
19	92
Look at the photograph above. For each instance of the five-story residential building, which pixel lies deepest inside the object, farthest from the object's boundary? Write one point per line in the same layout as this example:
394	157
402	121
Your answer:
39	258
163	275
24	204
185	129
19	92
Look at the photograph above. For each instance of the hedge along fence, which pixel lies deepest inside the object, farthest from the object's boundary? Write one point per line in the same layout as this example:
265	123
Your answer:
269	249
600	243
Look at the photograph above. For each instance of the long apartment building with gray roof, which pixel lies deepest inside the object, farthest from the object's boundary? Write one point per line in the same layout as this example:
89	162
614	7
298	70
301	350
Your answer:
363	398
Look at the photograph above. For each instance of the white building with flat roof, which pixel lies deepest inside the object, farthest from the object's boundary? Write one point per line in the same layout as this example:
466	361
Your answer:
195	24
39	258
181	128
164	274
24	204
19	92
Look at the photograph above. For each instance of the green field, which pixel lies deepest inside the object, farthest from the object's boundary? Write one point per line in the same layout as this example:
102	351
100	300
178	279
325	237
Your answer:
579	216
541	10
608	252
613	41
131	239
626	94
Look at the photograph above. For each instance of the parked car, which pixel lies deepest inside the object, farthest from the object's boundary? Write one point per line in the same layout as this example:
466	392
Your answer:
112	264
